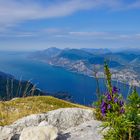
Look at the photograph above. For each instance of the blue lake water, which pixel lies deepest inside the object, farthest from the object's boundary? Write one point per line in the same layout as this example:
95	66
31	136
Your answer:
53	79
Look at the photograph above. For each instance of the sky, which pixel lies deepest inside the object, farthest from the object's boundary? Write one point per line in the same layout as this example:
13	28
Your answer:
40	24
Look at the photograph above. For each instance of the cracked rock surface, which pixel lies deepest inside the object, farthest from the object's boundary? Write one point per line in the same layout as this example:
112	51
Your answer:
67	123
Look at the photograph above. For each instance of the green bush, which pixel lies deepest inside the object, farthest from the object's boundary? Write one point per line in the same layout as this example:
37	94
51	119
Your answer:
133	113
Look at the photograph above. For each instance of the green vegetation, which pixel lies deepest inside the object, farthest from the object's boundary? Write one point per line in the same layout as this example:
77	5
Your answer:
12	110
133	112
121	118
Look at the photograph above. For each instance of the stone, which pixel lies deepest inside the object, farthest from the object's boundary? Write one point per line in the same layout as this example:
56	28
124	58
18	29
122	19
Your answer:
87	131
39	133
6	133
63	119
32	120
69	117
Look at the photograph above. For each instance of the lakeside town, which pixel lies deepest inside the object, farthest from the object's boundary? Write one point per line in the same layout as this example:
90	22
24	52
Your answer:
127	76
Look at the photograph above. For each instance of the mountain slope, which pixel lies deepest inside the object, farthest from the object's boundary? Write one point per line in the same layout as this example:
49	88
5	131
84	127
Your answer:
47	53
11	87
101	59
97	51
75	54
54	54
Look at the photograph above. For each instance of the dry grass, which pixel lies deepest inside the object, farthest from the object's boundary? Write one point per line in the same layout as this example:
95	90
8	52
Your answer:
12	110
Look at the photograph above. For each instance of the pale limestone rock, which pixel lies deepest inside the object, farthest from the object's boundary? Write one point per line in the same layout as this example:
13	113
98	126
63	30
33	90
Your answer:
69	117
63	119
87	131
32	120
6	133
39	133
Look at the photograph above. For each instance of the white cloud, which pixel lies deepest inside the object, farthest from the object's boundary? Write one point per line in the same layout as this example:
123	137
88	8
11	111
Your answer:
54	33
105	35
88	33
134	5
15	11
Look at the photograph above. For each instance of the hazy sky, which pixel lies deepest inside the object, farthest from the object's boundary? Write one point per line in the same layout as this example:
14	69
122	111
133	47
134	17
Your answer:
39	24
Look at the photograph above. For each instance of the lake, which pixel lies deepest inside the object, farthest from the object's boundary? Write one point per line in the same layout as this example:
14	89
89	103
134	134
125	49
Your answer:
53	79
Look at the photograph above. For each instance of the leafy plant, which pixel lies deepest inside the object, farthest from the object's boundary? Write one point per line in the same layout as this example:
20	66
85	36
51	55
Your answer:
133	113
121	118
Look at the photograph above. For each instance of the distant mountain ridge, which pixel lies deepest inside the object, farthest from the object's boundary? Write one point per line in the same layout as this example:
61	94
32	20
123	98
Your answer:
97	51
87	55
83	61
75	54
50	52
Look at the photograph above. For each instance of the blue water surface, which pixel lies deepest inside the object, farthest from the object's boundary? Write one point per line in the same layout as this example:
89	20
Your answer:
53	79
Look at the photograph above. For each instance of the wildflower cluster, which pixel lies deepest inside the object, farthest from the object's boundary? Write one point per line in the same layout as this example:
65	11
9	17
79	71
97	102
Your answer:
112	102
120	117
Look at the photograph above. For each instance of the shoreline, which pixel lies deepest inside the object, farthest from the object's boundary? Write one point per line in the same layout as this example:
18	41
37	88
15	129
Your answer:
80	73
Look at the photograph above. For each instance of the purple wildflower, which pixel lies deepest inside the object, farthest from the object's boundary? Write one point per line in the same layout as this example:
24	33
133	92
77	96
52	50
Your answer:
103	104
109	106
115	100
114	90
103	110
109	97
121	103
122	110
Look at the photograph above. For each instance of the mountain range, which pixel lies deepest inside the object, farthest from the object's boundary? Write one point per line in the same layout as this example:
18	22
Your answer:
124	65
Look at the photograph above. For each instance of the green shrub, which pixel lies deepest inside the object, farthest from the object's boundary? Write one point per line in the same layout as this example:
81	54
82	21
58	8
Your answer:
133	113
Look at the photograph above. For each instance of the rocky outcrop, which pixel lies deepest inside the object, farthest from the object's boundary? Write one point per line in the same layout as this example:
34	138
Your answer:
71	123
6	133
71	117
39	133
86	131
